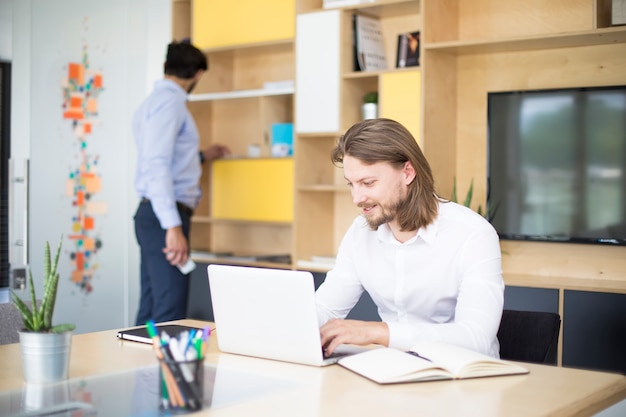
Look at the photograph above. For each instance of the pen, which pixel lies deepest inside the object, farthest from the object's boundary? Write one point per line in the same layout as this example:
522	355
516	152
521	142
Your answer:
192	334
410	352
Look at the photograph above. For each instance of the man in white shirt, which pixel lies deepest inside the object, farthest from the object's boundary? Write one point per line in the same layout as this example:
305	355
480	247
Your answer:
433	267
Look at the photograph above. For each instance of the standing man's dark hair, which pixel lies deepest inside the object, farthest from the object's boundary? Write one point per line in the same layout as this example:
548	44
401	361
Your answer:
184	60
385	140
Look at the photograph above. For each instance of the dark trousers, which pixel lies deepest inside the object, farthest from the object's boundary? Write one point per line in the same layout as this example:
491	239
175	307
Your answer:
163	287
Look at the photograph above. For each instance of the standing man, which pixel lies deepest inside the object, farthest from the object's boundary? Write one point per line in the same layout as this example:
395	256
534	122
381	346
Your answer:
167	182
433	267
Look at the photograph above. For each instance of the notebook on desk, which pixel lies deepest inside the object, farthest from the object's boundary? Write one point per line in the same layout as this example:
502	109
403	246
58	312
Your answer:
268	313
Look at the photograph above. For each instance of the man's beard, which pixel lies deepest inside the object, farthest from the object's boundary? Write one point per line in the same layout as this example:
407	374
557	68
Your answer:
388	213
191	87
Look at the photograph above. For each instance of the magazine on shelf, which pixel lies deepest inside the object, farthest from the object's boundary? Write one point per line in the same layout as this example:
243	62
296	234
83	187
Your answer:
408	50
369	47
427	361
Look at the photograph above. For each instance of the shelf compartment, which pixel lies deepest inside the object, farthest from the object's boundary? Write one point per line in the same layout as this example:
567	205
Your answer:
216	23
253	189
247	68
604	36
251	239
313	164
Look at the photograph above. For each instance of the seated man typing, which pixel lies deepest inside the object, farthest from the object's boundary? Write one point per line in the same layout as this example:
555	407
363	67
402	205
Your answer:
433	267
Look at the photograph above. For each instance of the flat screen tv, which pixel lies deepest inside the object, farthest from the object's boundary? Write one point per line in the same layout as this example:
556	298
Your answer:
557	164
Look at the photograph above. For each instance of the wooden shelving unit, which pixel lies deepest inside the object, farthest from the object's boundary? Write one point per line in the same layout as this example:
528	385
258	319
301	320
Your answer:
248	88
467	49
324	208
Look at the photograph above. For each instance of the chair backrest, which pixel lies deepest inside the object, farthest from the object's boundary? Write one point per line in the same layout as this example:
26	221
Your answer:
10	323
529	336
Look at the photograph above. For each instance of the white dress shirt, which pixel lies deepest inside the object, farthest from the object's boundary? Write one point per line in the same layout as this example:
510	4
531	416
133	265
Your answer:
168	163
443	284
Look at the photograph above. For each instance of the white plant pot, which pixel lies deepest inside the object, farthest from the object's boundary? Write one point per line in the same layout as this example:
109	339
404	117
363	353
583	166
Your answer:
45	356
369	111
45	396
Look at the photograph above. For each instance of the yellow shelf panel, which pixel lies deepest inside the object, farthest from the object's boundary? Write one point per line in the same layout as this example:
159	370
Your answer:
400	98
219	23
253	189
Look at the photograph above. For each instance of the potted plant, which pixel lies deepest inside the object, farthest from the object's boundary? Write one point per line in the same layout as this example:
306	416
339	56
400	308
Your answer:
488	214
370	105
45	348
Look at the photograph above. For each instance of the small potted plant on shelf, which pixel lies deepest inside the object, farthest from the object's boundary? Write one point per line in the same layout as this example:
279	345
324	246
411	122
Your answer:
45	348
370	105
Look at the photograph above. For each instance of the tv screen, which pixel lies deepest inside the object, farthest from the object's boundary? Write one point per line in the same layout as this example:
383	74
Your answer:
557	164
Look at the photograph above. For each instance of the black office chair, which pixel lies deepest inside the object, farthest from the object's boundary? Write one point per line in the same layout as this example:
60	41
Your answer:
529	336
10	323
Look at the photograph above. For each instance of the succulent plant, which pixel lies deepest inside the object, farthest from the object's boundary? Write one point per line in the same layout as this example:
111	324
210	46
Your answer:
38	319
371	97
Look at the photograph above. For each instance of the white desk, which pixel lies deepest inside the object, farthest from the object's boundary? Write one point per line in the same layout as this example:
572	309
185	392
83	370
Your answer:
120	379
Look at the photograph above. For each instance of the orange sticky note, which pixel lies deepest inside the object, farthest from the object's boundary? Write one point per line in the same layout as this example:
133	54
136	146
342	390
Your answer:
92	105
73	114
88	223
76	101
77	276
97	81
89	243
76	72
80	261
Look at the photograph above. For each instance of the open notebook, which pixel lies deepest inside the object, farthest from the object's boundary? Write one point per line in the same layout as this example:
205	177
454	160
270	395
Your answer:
268	313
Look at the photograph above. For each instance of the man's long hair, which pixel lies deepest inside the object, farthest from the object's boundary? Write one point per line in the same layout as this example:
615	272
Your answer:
385	140
184	60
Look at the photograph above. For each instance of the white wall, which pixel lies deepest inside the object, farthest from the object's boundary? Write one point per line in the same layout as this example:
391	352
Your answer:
126	40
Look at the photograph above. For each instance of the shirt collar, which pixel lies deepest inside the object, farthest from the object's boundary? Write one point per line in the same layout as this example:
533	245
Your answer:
167	84
428	234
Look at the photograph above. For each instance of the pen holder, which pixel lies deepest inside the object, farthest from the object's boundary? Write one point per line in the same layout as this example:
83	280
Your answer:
181	385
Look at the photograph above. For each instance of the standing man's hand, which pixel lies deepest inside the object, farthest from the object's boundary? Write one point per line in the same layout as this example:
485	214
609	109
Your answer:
176	248
215	152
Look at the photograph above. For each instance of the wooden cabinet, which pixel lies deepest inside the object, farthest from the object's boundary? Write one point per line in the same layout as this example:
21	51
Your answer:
467	50
247	207
223	24
472	48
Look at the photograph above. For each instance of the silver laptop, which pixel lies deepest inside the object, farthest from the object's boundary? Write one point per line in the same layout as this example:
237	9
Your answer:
268	313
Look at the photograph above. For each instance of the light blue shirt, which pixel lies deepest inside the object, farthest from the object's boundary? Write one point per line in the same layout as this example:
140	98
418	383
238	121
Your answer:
168	163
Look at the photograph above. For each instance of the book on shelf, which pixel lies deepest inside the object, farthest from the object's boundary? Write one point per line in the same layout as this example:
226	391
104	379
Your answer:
230	256
331	4
408	54
208	256
368	44
427	361
324	259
